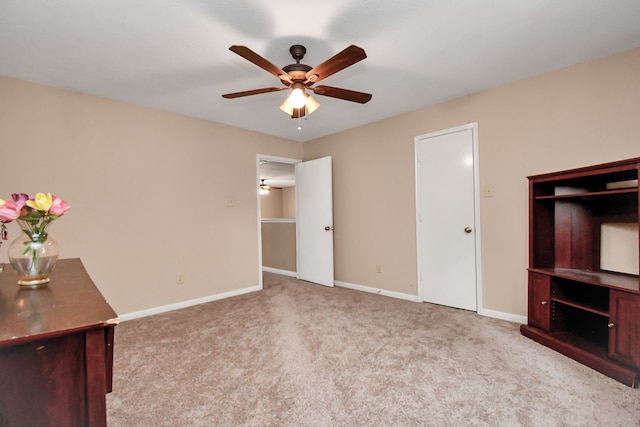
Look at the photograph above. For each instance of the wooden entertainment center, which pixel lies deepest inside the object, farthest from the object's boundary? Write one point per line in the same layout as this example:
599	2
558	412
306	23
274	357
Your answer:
578	304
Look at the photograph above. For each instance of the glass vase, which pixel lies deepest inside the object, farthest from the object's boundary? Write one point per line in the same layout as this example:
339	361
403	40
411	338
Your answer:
33	260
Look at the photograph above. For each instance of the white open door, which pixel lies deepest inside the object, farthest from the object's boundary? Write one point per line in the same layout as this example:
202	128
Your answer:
314	221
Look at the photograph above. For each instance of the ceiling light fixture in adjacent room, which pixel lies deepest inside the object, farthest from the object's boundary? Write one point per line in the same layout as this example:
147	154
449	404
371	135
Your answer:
264	189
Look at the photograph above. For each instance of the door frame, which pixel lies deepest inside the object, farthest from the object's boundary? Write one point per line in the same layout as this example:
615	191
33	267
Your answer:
476	206
271	159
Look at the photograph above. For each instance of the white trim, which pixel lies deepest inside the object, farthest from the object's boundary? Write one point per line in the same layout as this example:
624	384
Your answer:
413	298
273	159
185	304
278	271
278	220
382	292
476	197
503	316
476	205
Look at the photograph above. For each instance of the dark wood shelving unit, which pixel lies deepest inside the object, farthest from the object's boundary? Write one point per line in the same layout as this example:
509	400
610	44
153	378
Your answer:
591	308
575	307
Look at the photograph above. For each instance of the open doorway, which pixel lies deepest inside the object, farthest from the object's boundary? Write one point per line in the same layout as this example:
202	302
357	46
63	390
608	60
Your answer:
277	215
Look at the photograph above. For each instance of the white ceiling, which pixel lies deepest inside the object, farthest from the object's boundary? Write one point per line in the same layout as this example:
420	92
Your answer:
277	174
173	54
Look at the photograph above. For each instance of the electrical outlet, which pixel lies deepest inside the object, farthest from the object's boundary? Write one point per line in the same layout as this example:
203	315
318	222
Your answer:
229	203
180	279
378	268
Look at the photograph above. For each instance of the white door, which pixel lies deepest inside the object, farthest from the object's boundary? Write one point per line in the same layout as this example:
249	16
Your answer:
314	221
446	217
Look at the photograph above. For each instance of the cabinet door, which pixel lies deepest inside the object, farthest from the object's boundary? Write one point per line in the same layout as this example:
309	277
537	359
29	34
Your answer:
539	300
624	328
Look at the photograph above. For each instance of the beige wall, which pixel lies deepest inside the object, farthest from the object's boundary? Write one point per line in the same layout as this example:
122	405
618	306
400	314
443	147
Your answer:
289	202
578	116
279	245
148	187
271	204
279	238
279	203
147	190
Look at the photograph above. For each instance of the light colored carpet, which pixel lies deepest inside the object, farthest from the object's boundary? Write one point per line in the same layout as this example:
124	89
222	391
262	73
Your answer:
299	354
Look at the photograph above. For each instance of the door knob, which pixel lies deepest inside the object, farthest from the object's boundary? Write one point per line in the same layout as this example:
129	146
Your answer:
467	230
328	228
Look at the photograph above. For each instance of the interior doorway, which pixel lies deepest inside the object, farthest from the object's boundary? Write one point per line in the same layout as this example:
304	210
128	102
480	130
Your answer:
276	190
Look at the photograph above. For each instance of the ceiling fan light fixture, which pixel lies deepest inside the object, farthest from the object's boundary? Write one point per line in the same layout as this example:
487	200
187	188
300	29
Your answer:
311	104
299	77
286	106
298	97
264	189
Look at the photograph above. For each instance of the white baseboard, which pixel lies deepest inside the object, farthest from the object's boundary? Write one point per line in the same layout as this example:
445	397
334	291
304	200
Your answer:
392	294
483	312
278	271
185	304
503	316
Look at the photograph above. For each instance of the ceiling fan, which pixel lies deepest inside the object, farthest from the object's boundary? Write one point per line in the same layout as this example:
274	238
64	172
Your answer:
264	188
299	77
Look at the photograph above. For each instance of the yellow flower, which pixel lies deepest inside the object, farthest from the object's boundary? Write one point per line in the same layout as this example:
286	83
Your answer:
42	202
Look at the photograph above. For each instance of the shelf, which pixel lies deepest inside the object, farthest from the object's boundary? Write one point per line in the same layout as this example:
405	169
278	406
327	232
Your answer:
605	193
582	306
626	282
278	220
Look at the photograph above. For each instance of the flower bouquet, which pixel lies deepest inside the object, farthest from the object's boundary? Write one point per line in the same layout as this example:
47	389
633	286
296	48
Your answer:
33	258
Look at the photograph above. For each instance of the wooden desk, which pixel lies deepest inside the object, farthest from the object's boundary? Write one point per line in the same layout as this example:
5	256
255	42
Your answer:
56	350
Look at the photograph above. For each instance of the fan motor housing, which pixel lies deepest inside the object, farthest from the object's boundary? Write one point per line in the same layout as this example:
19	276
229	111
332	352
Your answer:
297	51
297	71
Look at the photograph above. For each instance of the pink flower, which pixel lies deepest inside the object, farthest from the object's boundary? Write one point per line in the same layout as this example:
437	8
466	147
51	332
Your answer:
20	198
9	210
58	206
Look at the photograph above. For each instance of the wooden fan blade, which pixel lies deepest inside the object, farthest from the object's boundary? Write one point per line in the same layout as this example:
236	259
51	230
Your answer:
347	95
339	61
261	62
253	92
